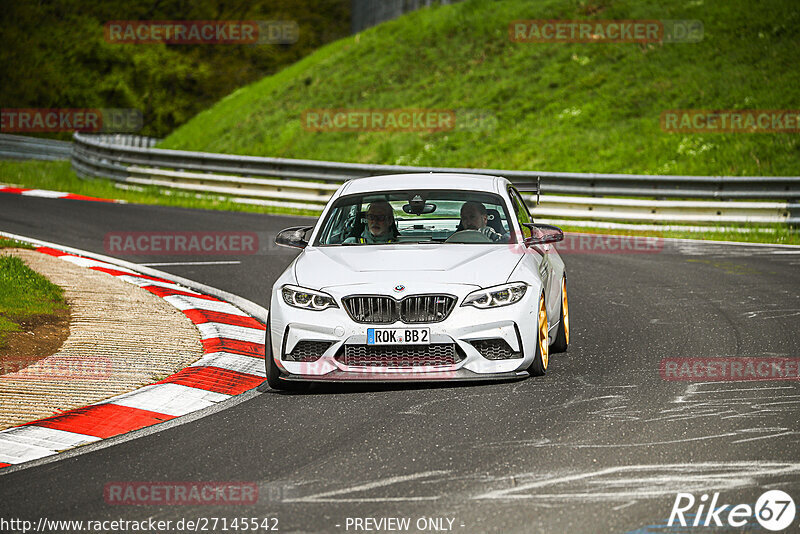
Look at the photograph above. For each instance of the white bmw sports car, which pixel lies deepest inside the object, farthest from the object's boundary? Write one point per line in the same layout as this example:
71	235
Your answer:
418	277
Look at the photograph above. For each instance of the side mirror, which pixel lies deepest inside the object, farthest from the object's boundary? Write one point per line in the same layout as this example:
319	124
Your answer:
294	237
543	234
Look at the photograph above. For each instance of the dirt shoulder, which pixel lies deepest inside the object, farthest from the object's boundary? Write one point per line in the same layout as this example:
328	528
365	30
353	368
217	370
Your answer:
41	336
120	337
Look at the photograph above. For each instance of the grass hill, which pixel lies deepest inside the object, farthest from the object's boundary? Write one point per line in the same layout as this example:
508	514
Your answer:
558	106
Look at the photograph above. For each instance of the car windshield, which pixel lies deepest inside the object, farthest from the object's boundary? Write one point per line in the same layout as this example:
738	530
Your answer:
426	216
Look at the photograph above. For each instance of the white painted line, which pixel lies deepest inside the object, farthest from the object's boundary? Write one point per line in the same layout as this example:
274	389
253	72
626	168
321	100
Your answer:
144	282
232	362
733	243
232	262
25	443
642	444
328	496
44	193
647	481
46	438
768	436
183	302
739	389
621	506
17	453
88	262
230	331
169	399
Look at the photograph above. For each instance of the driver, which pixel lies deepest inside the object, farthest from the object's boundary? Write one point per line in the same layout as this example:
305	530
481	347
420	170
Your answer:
379	227
475	217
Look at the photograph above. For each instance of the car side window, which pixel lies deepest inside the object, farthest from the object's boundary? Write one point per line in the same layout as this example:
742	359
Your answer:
339	225
521	210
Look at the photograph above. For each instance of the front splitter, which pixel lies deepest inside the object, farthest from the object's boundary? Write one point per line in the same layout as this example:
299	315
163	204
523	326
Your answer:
443	376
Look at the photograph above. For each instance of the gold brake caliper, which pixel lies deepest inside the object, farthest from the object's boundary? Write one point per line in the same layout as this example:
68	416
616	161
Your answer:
544	345
565	309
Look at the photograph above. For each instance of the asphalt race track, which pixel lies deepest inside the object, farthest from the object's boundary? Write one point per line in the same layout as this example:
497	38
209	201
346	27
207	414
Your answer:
600	444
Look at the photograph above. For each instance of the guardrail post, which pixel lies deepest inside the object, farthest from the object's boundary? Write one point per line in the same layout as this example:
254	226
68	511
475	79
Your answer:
794	215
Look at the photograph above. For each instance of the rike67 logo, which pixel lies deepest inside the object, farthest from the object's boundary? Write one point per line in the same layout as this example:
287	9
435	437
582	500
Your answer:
774	510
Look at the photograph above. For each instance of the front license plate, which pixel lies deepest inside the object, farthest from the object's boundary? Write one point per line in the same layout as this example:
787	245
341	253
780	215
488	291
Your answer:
398	336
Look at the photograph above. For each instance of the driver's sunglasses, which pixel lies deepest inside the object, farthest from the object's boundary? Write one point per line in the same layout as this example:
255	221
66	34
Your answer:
377	218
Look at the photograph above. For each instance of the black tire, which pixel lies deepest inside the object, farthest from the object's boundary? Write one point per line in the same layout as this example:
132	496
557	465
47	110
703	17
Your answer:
542	358
273	373
561	344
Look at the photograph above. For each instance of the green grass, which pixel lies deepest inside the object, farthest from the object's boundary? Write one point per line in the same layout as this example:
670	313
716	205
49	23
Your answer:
559	107
58	176
775	234
13	243
24	293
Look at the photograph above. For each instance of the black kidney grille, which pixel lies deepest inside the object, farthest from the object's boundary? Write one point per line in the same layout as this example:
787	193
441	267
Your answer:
371	309
376	309
426	308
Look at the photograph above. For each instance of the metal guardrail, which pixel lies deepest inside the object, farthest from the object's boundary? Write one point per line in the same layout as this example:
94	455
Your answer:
24	147
308	184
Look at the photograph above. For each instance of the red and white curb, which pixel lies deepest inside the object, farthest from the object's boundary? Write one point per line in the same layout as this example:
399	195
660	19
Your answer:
46	193
233	362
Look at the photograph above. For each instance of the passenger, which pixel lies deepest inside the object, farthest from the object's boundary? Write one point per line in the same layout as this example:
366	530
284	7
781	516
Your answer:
475	217
380	225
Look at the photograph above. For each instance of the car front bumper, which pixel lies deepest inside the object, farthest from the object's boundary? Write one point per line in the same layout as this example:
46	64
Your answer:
515	324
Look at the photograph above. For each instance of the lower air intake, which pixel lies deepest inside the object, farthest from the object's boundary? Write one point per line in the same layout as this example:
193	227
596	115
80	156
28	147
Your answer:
307	351
495	349
399	355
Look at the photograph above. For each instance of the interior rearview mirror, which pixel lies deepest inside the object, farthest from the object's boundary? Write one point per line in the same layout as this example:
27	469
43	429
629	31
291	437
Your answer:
421	208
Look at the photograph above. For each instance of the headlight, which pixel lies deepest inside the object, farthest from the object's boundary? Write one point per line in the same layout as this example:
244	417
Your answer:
494	297
307	299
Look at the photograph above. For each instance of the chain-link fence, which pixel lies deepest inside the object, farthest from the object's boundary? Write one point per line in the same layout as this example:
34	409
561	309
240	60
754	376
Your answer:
368	13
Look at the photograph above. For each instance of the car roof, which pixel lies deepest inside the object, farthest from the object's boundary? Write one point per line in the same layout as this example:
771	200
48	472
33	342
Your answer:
427	180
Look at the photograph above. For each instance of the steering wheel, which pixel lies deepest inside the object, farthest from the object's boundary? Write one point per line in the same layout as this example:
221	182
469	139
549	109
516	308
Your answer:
468	236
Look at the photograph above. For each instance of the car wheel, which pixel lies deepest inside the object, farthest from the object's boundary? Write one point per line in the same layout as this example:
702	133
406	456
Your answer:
540	361
273	373
561	344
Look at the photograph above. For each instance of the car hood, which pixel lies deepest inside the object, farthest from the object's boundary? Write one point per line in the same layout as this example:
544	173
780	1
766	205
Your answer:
472	264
